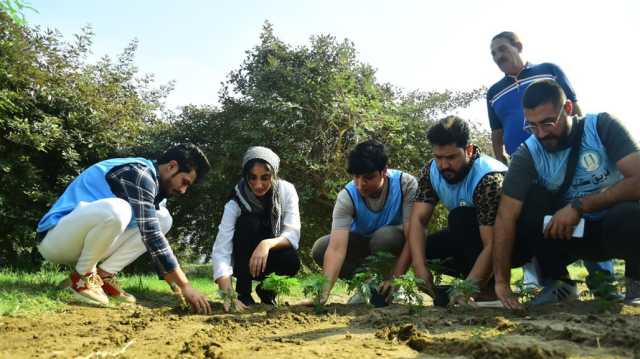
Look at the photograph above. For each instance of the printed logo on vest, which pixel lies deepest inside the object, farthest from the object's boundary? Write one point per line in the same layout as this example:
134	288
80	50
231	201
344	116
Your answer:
590	161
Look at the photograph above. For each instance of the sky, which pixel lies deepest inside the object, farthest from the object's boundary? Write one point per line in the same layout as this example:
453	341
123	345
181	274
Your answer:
416	45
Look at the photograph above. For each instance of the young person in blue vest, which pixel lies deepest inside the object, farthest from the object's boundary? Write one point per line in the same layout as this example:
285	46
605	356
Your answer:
259	232
506	116
111	214
371	214
605	191
468	184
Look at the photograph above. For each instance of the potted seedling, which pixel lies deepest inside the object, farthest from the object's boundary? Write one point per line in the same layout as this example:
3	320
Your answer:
279	284
437	268
407	290
370	275
313	287
464	288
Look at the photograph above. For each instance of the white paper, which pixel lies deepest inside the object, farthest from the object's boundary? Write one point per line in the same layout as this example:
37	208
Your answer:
578	231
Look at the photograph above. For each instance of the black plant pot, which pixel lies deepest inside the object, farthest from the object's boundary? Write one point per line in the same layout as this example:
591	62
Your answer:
442	295
377	299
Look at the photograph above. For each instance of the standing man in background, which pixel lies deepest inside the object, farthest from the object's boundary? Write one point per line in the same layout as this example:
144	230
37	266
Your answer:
506	116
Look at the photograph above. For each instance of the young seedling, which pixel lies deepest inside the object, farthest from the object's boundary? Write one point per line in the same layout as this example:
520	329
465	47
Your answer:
603	287
230	296
525	292
280	284
437	268
313	287
371	274
464	288
407	290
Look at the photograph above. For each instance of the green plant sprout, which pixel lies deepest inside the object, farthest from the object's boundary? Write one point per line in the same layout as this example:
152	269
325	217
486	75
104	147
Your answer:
313	287
525	292
371	274
407	289
465	288
437	268
229	295
279	284
604	289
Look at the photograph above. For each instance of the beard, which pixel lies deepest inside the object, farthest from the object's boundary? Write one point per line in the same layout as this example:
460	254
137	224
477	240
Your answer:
453	177
554	143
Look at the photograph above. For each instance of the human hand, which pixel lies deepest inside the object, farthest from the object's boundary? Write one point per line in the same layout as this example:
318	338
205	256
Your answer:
506	296
198	302
237	305
562	223
258	260
387	289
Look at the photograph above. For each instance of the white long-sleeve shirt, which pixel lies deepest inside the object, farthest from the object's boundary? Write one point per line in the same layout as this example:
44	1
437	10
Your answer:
222	253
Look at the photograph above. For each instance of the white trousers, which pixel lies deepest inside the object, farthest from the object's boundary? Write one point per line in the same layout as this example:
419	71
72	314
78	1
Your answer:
96	232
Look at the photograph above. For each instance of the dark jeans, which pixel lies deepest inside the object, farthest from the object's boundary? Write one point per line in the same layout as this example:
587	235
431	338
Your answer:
617	235
385	239
250	231
459	245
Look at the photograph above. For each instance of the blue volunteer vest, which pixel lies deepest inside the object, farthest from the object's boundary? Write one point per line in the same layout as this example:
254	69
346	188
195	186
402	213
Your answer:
594	171
461	194
367	221
91	185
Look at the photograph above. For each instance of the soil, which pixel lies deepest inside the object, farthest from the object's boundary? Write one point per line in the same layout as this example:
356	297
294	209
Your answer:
576	330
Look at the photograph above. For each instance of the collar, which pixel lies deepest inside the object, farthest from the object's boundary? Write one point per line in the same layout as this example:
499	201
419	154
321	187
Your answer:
527	65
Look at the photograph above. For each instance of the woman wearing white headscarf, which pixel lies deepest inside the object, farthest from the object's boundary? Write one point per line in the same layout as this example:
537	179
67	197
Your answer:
260	229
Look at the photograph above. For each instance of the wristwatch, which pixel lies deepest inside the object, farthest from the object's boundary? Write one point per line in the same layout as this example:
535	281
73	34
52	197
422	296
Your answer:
576	204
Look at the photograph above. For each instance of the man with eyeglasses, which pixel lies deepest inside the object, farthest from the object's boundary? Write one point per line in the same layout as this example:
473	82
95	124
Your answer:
604	191
504	104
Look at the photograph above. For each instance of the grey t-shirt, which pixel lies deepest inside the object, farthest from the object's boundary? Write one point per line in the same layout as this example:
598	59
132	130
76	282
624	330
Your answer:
522	171
343	211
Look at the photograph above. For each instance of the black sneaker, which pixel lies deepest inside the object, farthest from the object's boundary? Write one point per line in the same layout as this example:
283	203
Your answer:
266	296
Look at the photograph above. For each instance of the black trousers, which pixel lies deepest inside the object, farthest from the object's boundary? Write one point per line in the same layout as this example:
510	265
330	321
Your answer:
616	235
250	230
459	245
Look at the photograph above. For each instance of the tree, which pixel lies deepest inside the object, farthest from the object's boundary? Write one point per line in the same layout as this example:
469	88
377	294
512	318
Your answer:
310	104
58	115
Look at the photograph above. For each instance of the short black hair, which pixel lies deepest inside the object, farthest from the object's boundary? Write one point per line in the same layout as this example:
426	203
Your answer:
449	130
189	157
542	92
367	157
510	36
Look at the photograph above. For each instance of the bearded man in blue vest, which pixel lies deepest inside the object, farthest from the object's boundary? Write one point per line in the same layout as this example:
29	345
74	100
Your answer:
604	191
370	215
468	184
111	214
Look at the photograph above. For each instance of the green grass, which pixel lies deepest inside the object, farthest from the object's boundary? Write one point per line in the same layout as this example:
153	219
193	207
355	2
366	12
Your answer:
24	293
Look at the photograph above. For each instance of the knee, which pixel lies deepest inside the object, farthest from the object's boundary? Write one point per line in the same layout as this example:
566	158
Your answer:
319	248
116	210
165	219
387	239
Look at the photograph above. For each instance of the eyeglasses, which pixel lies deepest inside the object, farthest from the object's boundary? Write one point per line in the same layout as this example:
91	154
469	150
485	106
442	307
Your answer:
534	128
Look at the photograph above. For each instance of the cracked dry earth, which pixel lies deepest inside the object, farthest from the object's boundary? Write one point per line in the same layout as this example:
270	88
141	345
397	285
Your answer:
577	330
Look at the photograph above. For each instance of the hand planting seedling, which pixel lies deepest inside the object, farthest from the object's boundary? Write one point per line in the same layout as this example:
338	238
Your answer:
279	284
313	288
441	292
407	290
463	290
229	296
370	275
182	302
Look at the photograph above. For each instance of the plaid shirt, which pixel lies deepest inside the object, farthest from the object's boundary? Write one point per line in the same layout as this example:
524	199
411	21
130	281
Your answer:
138	185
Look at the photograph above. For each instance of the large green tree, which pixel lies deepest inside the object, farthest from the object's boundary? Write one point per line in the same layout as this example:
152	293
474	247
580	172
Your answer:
310	104
59	114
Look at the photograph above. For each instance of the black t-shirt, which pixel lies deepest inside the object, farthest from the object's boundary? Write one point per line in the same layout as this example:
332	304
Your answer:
522	174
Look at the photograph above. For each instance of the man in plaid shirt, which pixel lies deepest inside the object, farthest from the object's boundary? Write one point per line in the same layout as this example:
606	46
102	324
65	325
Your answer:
111	214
